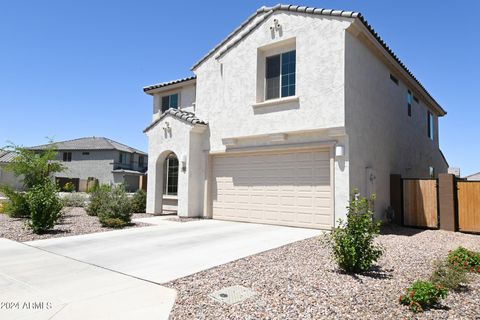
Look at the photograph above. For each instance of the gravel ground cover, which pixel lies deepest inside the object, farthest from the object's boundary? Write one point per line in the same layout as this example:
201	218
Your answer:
300	281
75	221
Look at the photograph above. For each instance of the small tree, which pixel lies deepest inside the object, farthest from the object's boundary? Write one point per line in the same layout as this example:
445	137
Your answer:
40	203
353	241
35	168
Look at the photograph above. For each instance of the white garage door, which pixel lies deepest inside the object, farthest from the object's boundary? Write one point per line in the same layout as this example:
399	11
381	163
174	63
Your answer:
285	188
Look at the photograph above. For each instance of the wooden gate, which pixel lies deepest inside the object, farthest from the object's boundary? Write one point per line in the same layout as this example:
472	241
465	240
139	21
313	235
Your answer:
468	201
420	203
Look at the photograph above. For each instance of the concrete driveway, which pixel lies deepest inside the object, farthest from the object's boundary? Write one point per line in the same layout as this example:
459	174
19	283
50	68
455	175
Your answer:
35	284
171	250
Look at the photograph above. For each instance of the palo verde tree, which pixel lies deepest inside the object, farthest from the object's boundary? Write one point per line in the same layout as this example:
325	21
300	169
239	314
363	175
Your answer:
40	203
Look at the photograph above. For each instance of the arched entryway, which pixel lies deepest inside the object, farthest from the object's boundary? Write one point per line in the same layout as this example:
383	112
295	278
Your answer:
166	183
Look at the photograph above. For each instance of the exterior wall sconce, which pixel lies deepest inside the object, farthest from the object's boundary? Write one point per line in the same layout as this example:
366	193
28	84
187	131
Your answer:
339	151
184	163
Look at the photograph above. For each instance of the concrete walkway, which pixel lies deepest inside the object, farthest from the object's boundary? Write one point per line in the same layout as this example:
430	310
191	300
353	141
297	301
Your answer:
35	284
172	250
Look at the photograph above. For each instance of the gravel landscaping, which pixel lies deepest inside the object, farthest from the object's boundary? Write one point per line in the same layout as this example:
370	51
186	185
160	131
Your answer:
75	221
300	281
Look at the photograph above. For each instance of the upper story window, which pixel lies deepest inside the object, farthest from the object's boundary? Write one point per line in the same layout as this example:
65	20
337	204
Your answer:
85	153
124	158
430	125
67	156
280	75
409	103
170	101
141	161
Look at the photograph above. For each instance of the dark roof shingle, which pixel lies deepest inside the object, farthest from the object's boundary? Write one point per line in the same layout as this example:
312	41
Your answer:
90	143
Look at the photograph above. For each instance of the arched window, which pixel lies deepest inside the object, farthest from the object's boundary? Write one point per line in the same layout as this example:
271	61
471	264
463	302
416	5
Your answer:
170	175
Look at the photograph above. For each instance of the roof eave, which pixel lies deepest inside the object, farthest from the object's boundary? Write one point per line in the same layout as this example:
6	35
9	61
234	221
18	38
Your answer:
167	86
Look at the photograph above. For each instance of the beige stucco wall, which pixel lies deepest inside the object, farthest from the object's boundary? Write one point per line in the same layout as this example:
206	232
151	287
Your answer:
187	142
382	135
228	90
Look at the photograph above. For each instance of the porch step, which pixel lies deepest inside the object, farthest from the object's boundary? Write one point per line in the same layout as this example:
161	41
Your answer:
169	208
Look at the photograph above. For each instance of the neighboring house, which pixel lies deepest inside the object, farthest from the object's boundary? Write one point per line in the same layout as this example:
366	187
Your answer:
108	161
473	177
7	178
285	117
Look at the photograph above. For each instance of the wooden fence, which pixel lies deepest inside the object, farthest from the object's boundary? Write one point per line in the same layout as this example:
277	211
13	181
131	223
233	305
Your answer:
468	206
447	203
420	203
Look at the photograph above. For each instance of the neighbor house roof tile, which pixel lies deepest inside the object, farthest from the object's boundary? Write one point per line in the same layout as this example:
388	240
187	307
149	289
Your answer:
90	143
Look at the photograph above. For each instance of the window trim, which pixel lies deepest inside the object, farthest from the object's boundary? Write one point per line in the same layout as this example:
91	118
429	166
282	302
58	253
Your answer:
265	89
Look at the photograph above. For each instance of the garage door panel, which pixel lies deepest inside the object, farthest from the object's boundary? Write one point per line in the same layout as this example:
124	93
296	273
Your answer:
286	188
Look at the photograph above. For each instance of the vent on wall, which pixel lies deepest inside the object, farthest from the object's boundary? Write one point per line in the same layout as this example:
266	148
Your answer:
394	79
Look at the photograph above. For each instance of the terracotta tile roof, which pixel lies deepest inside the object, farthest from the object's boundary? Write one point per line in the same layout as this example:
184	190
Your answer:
185	116
169	83
316	11
90	143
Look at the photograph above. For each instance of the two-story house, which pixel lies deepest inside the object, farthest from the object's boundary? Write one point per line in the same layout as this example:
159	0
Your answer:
285	117
108	161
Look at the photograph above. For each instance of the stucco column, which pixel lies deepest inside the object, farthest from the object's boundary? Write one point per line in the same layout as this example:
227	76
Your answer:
154	195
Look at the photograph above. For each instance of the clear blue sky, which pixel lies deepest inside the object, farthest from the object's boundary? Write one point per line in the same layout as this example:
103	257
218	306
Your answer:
70	69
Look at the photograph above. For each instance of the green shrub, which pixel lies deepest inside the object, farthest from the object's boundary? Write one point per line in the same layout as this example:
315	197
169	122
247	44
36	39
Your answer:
466	259
113	223
17	206
117	206
353	241
45	207
98	197
139	201
74	200
69	187
449	276
422	295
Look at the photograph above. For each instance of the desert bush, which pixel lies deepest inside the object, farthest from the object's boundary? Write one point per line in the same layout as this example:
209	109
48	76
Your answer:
17	206
69	187
98	197
45	207
466	259
422	295
117	208
449	276
74	200
353	241
139	201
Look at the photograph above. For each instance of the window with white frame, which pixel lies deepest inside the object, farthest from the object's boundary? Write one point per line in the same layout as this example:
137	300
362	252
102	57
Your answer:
170	101
280	75
170	175
430	125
